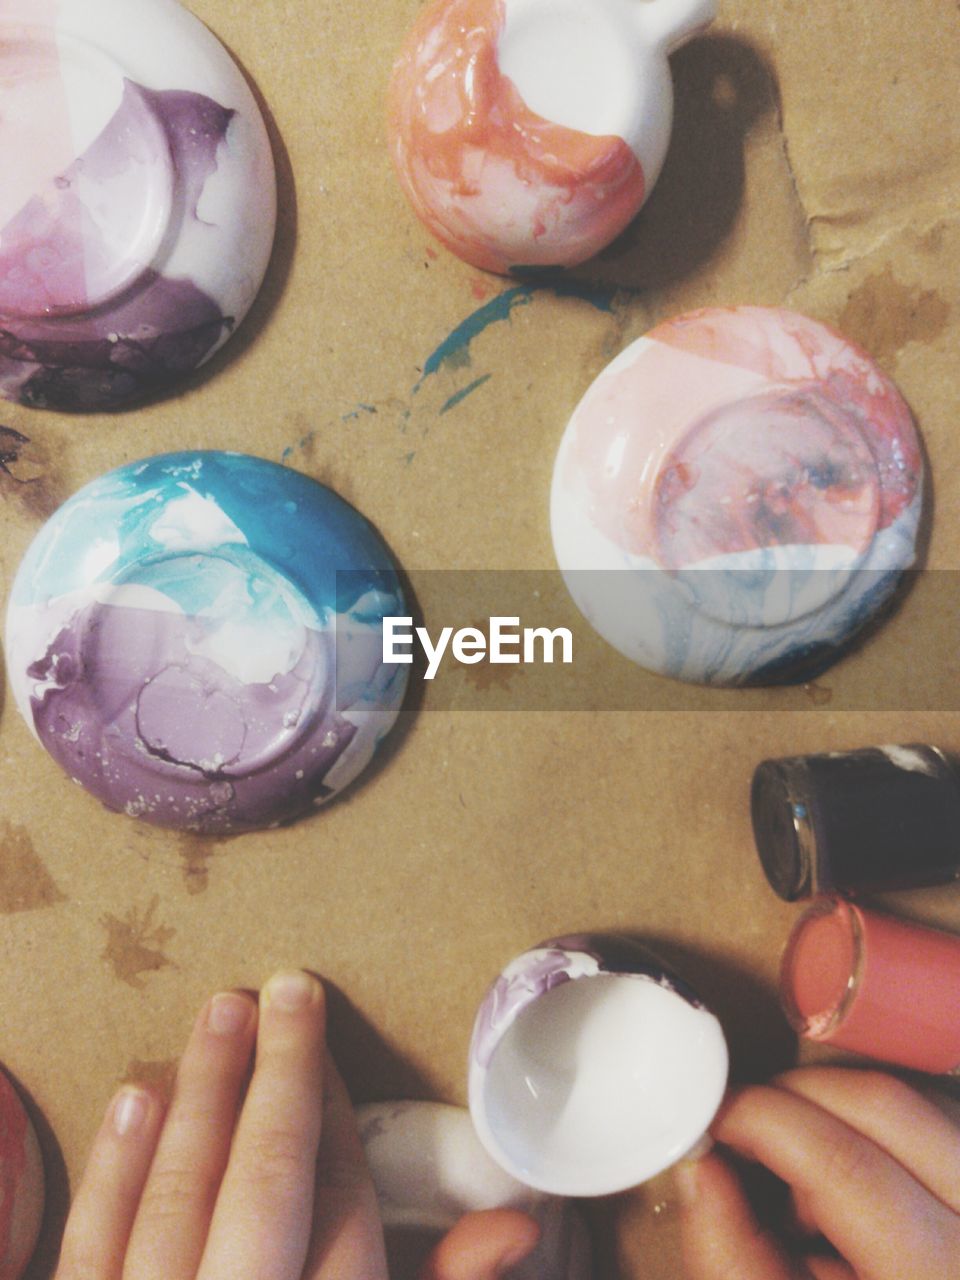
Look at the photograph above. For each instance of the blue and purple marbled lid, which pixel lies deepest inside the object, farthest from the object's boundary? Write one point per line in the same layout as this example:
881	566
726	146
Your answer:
197	639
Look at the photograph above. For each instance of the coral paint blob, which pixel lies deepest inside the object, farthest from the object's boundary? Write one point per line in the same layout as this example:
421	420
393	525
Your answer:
760	478
499	183
875	985
822	966
21	1184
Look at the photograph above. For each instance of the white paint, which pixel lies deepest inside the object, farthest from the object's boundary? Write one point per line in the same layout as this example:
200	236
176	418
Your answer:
194	523
599	66
253	653
600	1084
100	556
908	759
575	63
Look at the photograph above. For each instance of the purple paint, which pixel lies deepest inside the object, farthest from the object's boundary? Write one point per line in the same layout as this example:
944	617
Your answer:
196	746
54	352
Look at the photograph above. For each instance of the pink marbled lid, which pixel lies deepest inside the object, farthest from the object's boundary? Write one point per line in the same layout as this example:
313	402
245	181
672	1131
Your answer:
729	430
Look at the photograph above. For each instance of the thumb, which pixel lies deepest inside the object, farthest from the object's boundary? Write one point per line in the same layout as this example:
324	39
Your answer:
482	1246
722	1239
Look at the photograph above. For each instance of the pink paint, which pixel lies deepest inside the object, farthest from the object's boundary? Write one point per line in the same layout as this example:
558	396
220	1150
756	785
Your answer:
93	228
728	430
21	1184
875	985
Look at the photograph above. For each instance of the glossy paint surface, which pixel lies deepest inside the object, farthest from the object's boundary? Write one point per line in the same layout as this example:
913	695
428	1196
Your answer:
592	1067
196	638
529	134
21	1184
138	209
759	480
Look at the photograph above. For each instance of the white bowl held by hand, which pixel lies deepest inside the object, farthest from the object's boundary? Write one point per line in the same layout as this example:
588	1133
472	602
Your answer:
593	1067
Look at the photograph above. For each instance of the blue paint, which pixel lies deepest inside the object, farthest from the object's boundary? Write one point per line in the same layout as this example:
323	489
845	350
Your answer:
457	343
462	394
129	519
454	351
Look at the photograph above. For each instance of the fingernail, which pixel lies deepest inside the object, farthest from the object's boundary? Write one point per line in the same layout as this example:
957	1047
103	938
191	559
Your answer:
130	1111
685	1179
291	992
228	1013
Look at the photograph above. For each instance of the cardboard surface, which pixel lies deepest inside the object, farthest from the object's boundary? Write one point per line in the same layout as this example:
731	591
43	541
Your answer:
815	164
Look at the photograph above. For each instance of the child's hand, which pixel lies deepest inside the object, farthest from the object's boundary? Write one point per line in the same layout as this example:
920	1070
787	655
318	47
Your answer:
258	1181
872	1167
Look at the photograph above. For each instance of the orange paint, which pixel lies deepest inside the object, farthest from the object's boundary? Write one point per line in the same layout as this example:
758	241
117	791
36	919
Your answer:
499	185
876	985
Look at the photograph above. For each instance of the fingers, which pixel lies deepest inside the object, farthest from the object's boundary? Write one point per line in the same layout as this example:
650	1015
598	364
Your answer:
905	1125
483	1246
347	1235
178	1202
103	1212
862	1199
722	1239
261	1225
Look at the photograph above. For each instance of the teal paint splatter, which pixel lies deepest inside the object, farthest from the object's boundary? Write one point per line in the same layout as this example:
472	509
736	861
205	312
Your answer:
454	351
464	392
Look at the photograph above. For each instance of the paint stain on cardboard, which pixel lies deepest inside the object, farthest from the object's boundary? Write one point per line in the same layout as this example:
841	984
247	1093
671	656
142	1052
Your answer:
26	474
25	883
196	852
883	315
485	674
135	944
158	1075
819	694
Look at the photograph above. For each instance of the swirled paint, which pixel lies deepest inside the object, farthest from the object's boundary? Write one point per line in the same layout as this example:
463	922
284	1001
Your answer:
137	211
736	496
527	133
197	639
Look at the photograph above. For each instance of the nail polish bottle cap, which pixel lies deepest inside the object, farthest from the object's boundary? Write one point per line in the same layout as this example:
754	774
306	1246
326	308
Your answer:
873	984
855	821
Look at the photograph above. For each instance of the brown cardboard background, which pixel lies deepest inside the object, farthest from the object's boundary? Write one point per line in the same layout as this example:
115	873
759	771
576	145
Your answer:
815	163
